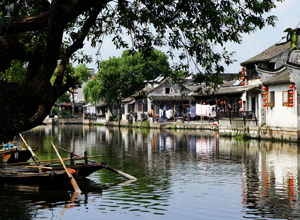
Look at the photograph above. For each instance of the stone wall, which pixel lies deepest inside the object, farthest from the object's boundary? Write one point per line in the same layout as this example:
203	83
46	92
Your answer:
249	129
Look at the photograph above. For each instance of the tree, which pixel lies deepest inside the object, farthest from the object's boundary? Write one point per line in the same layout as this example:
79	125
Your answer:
108	85
121	77
35	34
81	72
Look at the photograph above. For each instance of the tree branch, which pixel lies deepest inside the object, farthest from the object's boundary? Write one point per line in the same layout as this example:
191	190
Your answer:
29	23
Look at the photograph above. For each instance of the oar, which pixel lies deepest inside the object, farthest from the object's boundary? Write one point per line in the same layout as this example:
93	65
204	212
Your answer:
73	181
119	172
33	155
106	167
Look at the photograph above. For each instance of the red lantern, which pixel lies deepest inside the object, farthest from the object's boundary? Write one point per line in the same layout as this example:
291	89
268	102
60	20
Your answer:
291	92
291	99
67	104
243	68
264	105
265	88
204	103
243	83
265	93
291	105
291	86
243	74
240	102
265	99
221	102
91	77
243	78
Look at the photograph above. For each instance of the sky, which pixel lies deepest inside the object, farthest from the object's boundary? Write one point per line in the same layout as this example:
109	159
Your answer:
287	13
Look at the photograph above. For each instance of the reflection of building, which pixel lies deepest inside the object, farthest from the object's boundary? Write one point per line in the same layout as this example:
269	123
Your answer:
271	180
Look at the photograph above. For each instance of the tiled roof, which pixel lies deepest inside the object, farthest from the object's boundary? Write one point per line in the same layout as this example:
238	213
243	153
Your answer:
128	99
171	98
269	53
231	90
101	104
282	77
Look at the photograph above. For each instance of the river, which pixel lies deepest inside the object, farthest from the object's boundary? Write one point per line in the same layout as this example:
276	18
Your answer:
182	174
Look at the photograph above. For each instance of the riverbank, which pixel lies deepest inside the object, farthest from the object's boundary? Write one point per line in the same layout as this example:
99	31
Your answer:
234	128
201	125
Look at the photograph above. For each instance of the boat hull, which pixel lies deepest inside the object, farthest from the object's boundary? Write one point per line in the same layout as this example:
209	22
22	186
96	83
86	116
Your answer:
82	170
44	176
14	155
31	177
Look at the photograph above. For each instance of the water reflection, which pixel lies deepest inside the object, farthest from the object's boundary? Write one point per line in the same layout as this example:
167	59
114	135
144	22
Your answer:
181	175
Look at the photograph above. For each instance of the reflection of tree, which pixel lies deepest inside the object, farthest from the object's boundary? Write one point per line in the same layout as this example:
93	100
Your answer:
156	157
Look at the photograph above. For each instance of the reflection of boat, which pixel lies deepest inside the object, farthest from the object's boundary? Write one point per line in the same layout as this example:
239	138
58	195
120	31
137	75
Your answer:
11	154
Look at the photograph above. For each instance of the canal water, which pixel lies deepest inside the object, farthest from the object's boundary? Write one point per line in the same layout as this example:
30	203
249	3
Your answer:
181	175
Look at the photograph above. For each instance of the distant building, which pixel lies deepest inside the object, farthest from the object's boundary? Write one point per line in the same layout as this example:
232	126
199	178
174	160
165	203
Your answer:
79	91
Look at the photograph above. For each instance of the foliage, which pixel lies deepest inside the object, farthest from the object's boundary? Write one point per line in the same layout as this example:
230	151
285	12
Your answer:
81	72
121	77
292	36
43	34
145	124
65	114
64	98
16	73
55	109
91	92
148	67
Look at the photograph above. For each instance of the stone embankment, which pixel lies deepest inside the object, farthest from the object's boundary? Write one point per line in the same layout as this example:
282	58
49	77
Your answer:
223	128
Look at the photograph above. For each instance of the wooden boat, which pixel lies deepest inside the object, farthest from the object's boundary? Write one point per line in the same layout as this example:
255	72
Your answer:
44	176
44	173
12	154
32	176
81	170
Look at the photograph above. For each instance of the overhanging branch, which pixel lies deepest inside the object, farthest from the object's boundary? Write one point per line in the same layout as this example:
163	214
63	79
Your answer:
29	23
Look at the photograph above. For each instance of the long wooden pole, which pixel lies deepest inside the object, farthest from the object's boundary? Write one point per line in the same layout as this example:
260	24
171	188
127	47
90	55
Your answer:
121	173
73	181
33	155
126	175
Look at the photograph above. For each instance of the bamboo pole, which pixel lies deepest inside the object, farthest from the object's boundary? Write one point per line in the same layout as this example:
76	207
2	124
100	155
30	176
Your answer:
121	173
33	155
72	179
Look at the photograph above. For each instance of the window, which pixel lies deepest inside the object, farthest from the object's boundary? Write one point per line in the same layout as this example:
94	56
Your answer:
142	105
286	98
168	90
122	109
270	99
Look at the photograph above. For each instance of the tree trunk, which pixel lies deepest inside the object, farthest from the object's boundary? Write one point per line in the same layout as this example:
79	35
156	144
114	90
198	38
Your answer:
21	109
